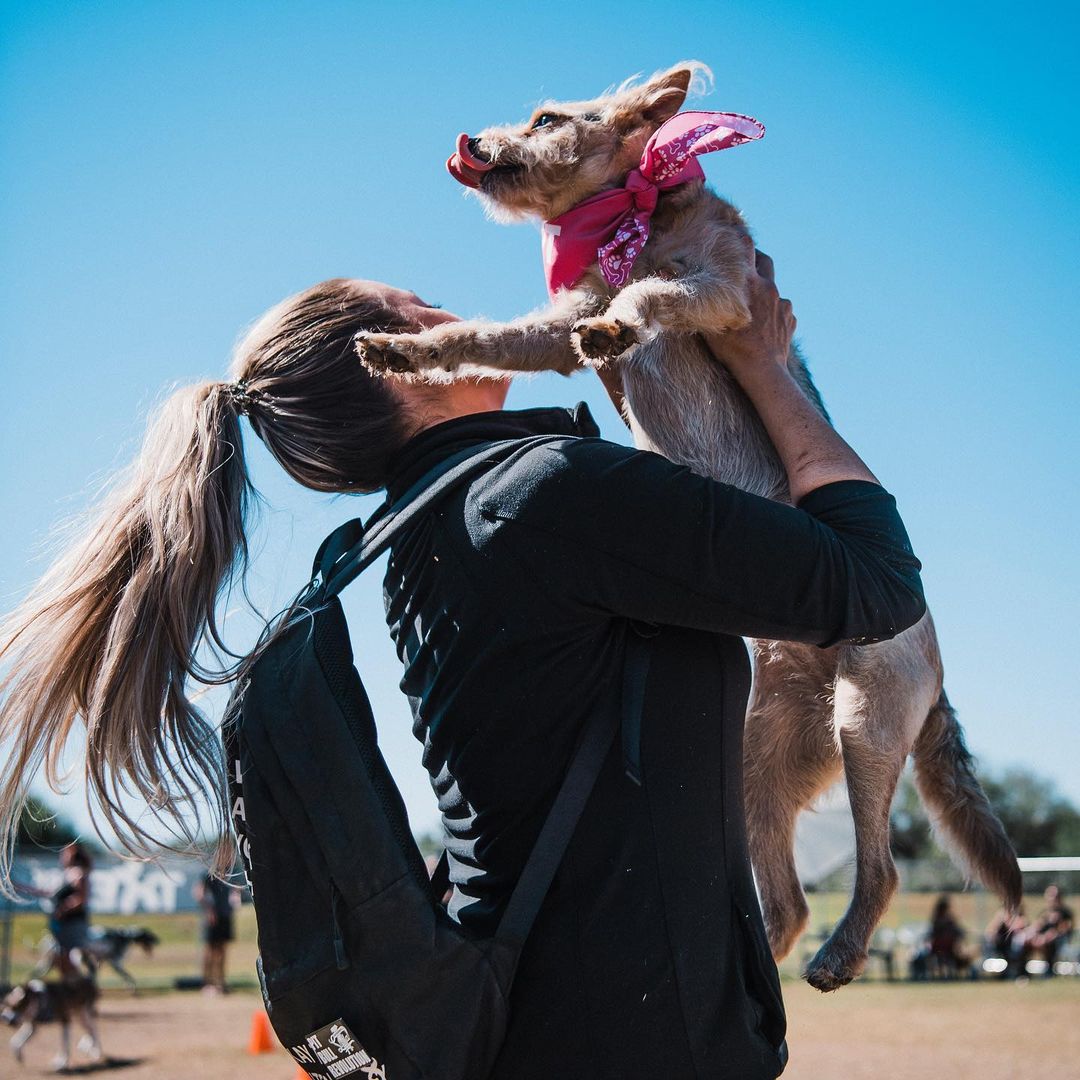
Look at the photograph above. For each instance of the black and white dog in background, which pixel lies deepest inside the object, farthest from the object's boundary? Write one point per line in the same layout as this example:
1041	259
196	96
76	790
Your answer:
104	946
36	1002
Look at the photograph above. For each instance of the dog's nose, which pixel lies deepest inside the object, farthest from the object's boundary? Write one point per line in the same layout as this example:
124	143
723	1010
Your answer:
473	146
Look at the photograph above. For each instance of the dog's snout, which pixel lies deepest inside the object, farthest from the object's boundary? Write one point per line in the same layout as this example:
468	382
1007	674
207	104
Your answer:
475	150
469	163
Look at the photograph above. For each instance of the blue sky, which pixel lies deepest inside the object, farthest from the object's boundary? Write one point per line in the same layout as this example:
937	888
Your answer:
170	170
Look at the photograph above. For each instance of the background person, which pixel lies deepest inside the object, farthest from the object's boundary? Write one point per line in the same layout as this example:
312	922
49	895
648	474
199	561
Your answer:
69	921
217	901
945	937
1009	937
1053	927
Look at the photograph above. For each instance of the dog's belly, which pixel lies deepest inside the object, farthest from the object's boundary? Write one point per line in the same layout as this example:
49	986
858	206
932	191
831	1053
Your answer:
881	691
683	404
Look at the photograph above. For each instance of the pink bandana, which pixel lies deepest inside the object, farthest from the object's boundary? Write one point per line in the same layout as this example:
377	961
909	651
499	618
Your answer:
611	228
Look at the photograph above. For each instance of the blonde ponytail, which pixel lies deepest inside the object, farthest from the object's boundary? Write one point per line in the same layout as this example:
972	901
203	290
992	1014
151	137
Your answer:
110	636
110	633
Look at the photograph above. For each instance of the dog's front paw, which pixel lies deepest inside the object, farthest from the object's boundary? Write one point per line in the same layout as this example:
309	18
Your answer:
599	340
398	354
60	1064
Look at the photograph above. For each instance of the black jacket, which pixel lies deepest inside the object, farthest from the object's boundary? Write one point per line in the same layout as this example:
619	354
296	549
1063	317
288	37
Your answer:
510	606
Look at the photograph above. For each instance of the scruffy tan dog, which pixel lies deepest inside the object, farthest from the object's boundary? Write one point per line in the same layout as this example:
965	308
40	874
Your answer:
858	708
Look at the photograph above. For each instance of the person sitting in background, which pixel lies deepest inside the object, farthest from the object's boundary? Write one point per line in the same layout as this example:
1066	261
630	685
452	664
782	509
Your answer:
1008	937
945	937
941	955
1052	928
217	901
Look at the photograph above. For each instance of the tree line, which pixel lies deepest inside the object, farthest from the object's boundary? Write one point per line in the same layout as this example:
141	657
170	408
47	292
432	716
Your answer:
1037	817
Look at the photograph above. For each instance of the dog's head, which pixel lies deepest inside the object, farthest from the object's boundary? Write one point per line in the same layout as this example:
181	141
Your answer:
12	1006
21	1001
568	151
147	939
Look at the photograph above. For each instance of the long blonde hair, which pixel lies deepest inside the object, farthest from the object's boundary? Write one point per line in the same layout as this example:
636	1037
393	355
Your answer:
110	634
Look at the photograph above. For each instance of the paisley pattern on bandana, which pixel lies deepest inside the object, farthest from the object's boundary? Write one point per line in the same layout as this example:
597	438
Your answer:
611	228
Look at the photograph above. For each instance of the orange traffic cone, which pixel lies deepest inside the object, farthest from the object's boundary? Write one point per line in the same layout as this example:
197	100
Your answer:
262	1038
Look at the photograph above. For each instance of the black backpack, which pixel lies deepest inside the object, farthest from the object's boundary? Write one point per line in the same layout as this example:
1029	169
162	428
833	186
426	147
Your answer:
362	971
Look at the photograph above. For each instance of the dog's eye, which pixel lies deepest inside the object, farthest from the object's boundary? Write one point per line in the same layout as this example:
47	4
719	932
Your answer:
544	119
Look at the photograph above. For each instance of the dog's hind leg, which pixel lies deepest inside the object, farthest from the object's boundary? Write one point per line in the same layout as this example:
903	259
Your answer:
874	750
789	756
21	1038
124	974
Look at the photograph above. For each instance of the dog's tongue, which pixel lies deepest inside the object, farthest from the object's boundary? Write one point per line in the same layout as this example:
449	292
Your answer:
464	166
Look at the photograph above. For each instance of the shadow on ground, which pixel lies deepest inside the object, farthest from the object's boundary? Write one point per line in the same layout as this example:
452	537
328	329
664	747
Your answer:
107	1065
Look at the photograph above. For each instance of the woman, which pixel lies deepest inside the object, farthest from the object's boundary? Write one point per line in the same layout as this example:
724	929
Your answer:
69	920
510	605
217	900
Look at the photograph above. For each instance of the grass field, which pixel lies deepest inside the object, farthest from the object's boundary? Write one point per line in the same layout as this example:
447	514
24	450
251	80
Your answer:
985	1030
179	951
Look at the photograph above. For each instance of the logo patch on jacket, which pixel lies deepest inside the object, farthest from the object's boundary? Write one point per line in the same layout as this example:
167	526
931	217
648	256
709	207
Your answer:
334	1051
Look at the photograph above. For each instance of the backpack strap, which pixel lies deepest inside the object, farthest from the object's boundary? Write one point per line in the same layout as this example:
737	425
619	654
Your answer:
353	547
557	831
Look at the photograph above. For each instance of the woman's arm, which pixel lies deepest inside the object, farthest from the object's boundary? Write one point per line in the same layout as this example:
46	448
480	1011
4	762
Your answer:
616	531
811	451
629	533
77	898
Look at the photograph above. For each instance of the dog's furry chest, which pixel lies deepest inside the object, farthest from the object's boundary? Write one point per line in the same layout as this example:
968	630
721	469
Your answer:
680	401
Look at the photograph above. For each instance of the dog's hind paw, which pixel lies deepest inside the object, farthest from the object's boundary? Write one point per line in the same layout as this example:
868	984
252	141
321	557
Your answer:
834	966
88	1046
599	340
398	354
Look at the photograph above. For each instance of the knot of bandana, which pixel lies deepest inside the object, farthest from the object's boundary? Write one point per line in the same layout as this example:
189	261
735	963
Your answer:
612	227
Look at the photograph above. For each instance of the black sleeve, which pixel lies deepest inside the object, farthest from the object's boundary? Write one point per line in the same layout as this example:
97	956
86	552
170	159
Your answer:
629	533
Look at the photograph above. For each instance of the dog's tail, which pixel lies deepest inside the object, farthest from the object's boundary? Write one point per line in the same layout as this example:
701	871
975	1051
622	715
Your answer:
959	810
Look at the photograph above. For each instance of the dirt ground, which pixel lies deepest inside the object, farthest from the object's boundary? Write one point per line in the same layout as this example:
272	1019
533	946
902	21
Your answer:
865	1032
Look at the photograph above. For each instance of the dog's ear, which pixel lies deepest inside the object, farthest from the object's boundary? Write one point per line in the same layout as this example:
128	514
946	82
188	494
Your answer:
659	99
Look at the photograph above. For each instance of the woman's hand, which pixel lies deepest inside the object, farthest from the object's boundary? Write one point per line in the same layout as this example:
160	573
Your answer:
767	340
811	452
